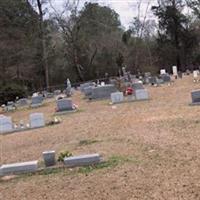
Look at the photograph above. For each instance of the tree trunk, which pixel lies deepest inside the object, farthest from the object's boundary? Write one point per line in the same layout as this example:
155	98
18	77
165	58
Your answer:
44	51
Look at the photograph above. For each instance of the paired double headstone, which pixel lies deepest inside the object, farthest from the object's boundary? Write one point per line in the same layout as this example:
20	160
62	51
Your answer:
6	124
37	120
102	92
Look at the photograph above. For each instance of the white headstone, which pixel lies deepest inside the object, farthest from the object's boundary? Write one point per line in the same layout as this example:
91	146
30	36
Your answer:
102	83
162	71
175	71
37	120
195	74
117	97
5	124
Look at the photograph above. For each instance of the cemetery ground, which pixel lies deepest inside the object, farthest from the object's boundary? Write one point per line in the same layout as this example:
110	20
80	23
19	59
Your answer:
153	148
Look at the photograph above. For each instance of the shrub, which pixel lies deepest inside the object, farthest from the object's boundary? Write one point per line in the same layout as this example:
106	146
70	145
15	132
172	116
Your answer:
64	154
10	91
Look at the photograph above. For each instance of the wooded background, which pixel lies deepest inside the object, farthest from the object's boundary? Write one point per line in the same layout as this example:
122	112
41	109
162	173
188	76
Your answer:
40	49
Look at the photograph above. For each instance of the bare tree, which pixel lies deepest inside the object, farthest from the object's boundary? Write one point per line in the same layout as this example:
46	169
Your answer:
68	23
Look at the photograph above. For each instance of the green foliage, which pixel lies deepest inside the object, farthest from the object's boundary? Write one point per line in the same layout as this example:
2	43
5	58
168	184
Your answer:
63	155
9	92
175	34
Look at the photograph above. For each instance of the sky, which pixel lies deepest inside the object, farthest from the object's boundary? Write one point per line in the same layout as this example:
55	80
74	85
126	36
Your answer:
127	9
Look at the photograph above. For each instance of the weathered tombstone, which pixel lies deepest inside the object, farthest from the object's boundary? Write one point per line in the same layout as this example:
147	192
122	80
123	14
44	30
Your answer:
175	71
137	86
195	74
49	95
64	105
10	106
37	101
22	102
103	92
162	71
37	120
84	85
195	96
6	124
117	97
166	77
153	80
17	168
102	83
57	92
141	94
147	74
159	81
113	81
188	72
49	158
82	160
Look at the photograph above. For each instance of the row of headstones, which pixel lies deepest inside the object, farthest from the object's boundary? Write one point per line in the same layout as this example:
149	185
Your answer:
6	124
110	91
36	119
49	160
36	100
139	93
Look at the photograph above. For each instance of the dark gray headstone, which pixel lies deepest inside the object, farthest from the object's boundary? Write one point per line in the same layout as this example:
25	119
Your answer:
102	92
180	74
165	77
138	86
49	158
153	80
64	105
195	96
